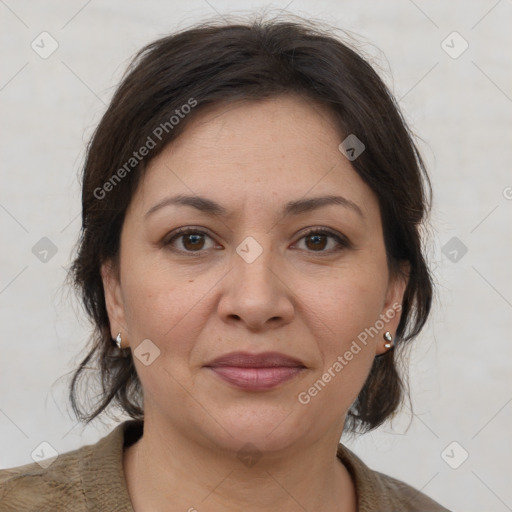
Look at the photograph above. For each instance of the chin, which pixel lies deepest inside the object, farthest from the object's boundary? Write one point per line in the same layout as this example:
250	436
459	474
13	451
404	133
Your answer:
268	428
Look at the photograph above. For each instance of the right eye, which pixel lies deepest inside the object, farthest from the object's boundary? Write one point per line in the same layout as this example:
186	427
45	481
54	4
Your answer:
191	240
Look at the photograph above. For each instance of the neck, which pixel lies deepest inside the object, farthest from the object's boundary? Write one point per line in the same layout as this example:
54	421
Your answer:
167	471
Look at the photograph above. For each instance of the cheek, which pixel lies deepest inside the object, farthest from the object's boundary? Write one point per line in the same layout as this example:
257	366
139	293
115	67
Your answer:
341	314
338	317
170	313
162	306
345	306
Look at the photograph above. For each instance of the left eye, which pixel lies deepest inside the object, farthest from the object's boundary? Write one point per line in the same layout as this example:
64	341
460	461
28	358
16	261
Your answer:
316	240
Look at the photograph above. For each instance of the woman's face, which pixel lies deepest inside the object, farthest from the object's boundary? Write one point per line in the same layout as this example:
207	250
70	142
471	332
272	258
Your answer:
248	278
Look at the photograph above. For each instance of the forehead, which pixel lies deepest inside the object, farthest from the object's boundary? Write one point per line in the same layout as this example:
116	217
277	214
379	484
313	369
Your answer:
249	124
246	151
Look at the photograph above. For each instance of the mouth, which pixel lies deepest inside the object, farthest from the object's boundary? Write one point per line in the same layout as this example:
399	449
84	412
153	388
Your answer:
256	372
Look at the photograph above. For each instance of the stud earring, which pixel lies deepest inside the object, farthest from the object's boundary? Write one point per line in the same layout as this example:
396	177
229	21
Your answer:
118	340
389	340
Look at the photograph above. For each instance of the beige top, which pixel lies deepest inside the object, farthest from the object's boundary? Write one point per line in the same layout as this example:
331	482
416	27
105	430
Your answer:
91	478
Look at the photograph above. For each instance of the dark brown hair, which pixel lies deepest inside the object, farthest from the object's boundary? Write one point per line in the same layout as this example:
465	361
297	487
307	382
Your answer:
218	62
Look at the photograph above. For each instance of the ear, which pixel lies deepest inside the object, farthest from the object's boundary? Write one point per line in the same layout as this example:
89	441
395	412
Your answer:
113	299
392	310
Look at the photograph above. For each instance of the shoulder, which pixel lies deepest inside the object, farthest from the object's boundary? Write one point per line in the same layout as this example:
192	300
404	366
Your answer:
88	478
378	492
406	498
54	487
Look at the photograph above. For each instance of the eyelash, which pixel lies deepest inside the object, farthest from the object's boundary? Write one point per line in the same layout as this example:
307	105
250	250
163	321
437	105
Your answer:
343	243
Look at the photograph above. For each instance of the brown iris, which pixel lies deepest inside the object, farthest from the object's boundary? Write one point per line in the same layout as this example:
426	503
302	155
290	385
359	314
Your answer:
317	242
196	241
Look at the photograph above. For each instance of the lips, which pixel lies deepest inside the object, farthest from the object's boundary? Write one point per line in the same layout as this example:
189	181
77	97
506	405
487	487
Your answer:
256	371
263	360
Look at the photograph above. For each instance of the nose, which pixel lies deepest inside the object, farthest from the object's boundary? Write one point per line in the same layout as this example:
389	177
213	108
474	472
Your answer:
256	293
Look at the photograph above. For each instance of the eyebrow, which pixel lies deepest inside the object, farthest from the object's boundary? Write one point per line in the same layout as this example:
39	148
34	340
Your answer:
297	207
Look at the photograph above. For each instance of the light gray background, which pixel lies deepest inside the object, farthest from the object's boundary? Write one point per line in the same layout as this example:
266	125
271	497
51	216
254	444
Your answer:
460	107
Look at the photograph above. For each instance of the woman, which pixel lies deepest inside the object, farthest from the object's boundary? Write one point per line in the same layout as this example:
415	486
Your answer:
251	258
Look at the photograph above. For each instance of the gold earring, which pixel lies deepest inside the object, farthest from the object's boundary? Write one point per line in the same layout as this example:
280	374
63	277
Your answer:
118	340
389	340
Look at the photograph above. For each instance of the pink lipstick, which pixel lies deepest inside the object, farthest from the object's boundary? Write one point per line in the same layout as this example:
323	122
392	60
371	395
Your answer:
256	372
